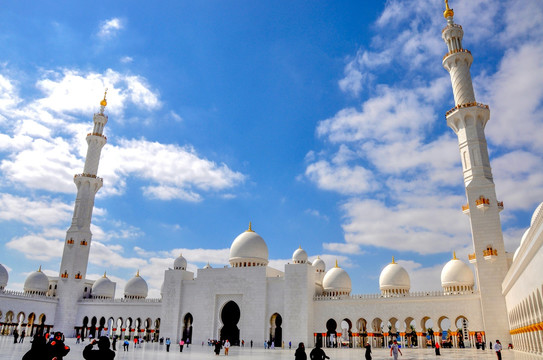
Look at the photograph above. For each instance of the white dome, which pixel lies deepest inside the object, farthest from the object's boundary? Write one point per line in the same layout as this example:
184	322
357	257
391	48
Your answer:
248	249
4	277
208	266
336	282
103	288
319	265
394	279
524	236
536	213
299	256
136	288
516	254
457	273
180	263
37	283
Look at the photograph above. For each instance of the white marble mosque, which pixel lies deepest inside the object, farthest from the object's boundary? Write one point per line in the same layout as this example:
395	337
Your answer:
305	301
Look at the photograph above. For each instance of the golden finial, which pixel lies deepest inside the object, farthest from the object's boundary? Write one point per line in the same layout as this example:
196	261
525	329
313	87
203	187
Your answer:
454	255
393	262
138	273
448	11
39	270
300	247
104	101
336	263
250	229
104	275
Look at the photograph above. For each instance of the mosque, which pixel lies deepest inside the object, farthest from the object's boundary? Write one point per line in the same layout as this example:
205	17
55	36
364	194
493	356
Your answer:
305	301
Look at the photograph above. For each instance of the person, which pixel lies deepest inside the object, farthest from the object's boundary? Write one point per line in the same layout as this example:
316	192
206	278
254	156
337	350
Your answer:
135	341
56	347
114	343
251	344
265	344
368	351
78	339
395	349
317	353
289	344
226	347
181	344
38	350
15	336
187	342
438	353
498	349
103	352
300	354
218	347
125	345
21	339
168	343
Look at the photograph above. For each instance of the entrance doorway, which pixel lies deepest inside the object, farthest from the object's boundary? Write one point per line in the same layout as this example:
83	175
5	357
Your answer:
187	328
230	315
276	332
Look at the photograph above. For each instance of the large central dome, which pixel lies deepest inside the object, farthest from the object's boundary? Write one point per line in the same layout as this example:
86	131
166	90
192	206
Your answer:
248	249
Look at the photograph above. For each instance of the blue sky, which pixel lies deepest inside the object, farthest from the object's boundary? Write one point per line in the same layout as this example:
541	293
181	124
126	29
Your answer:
321	122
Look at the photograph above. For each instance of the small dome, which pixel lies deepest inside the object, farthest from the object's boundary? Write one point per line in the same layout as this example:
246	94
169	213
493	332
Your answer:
37	283
136	288
103	288
208	266
394	279
537	211
319	265
336	282
456	276
180	263
516	254
524	236
248	249
299	256
4	277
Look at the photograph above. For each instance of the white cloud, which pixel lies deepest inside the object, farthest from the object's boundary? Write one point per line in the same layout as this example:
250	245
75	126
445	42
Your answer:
110	27
344	248
126	59
37	212
343	179
37	247
317	214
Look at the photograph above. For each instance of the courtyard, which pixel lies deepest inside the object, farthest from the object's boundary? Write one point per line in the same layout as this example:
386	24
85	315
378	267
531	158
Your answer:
155	351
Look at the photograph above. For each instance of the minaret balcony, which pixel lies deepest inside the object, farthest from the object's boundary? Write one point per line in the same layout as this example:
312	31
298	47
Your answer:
472	258
490	254
482	203
466	105
456	51
451	26
465	209
500	206
87	175
97	134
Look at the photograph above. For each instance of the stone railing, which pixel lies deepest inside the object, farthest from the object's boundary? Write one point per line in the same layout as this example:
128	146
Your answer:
451	25
455	52
436	293
96	134
88	175
122	300
26	295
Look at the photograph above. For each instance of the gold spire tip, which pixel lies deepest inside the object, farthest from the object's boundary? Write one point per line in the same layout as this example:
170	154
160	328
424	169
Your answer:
138	273
104	275
39	270
454	255
250	229
104	101
336	263
393	262
448	11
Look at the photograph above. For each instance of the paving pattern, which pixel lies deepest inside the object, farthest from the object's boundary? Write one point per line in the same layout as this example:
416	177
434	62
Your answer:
154	351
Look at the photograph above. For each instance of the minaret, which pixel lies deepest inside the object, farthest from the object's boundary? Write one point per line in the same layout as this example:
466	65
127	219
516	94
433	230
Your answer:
75	258
468	119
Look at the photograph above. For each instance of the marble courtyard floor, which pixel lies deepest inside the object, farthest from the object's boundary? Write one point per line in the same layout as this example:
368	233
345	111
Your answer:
154	351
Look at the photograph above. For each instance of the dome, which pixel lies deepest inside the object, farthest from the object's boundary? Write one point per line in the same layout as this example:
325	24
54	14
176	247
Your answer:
394	279
516	254
103	288
4	277
319	265
299	256
536	213
208	266
336	282
524	236
136	288
456	276
248	249
37	283
180	263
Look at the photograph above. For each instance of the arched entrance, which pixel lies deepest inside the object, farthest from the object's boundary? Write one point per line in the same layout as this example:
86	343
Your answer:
187	328
331	334
276	332
230	315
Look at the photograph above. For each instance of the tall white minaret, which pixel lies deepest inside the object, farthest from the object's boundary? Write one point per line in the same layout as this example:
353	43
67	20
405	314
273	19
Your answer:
468	119
75	258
